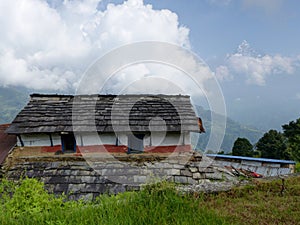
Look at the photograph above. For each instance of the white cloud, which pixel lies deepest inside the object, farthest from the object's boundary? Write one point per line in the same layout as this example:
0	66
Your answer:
256	67
298	96
222	73
50	45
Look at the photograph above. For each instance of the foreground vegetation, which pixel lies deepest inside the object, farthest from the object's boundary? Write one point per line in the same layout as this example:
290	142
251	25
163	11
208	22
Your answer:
263	203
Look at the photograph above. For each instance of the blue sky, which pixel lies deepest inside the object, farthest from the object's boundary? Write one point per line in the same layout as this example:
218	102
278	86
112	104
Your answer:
217	28
252	46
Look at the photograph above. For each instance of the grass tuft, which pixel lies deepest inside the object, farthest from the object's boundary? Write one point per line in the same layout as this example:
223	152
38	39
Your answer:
264	202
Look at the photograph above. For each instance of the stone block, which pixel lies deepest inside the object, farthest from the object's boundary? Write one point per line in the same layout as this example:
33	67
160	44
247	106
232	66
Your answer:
95	188
181	179
121	179
177	166
214	176
75	188
206	170
116	165
186	172
73	172
58	180
87	179
74	179
117	188
139	179
83	173
50	172
100	180
173	172
197	176
193	169
61	188
191	181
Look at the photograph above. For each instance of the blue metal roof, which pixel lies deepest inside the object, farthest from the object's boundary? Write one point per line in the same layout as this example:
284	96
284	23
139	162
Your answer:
252	159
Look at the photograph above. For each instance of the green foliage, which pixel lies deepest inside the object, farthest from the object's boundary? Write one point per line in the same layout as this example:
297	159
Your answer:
29	199
273	145
159	203
242	147
292	132
297	167
156	204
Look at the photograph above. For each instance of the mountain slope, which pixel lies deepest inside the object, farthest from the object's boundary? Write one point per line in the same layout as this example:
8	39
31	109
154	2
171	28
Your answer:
12	101
232	132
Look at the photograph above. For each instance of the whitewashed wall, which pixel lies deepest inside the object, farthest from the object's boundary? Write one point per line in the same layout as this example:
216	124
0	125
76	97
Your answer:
163	139
86	139
39	140
157	139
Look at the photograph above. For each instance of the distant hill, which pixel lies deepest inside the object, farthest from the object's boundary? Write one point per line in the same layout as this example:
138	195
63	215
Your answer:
232	132
12	101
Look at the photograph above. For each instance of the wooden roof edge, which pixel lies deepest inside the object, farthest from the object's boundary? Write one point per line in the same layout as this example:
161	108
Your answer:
39	95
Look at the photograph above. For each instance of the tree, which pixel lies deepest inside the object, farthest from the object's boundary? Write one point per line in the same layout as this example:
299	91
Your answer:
292	133
242	147
273	145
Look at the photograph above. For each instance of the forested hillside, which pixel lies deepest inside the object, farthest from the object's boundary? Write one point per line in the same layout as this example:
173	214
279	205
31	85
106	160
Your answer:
232	132
12	101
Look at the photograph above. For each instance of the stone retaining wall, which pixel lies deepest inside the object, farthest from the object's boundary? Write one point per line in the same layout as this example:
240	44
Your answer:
81	177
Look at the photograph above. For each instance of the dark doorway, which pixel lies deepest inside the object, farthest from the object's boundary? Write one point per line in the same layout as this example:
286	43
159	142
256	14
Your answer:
68	142
136	143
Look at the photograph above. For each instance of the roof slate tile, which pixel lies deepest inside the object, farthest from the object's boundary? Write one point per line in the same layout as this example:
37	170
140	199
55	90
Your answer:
58	113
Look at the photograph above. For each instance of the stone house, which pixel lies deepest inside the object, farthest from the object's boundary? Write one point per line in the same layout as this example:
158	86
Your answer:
106	123
262	166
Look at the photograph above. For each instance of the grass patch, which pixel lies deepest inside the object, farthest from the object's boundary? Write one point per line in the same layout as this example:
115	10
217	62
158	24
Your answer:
262	203
29	203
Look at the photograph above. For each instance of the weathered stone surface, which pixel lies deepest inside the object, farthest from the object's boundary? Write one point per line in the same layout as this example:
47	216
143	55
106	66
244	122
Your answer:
79	179
193	169
197	176
186	172
181	179
214	176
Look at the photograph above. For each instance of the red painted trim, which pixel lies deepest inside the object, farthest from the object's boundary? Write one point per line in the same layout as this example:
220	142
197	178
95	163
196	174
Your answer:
119	149
102	149
168	149
55	148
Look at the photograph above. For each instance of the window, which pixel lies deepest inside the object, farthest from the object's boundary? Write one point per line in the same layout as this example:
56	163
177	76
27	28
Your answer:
135	143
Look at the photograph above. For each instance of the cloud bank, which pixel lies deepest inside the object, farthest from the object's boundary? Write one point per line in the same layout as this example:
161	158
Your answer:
255	67
48	45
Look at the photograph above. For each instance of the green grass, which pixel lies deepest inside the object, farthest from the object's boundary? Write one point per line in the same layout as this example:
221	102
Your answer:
155	204
261	203
297	167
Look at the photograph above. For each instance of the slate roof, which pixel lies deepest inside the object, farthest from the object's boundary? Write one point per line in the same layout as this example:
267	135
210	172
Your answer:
251	159
106	113
6	142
